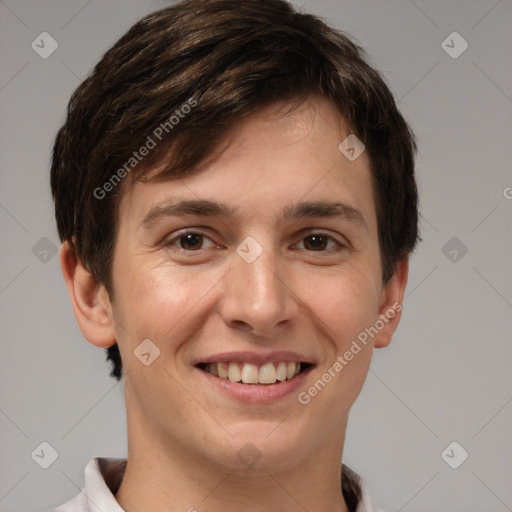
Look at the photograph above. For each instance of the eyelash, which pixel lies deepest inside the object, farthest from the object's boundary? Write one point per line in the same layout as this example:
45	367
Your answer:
172	241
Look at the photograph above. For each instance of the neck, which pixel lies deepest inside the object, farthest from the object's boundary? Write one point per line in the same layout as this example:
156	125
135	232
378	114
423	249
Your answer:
173	482
166	476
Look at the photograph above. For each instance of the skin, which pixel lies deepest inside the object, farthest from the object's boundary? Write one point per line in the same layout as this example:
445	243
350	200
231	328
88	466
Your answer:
184	436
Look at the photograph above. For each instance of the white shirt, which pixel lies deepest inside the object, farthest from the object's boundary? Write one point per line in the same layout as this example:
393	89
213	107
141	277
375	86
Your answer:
103	477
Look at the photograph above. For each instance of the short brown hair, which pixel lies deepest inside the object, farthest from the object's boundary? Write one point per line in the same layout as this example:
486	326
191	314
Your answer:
225	59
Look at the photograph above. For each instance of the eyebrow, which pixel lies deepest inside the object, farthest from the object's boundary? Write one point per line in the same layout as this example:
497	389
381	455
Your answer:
336	209
202	207
209	208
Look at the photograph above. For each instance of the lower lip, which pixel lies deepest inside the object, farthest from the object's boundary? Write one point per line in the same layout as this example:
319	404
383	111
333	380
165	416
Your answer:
257	393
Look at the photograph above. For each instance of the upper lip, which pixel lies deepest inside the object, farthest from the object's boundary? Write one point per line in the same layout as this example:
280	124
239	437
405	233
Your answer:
255	357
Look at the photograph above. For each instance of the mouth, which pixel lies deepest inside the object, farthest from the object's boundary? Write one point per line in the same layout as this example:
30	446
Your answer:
267	374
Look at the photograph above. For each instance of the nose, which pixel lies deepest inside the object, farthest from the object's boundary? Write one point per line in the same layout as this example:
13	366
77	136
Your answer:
258	296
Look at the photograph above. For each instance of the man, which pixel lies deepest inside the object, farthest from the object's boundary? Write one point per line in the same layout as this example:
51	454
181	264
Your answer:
234	188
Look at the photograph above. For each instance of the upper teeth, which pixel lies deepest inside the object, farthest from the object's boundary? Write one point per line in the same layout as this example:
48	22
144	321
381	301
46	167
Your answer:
249	373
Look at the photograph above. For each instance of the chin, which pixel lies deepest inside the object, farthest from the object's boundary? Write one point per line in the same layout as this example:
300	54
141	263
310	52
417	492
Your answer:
267	447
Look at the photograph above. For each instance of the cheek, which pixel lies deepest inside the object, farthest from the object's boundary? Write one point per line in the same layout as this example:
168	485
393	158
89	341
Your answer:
345	301
346	305
155	302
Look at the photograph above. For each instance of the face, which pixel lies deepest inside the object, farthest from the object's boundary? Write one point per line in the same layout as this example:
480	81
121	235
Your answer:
281	267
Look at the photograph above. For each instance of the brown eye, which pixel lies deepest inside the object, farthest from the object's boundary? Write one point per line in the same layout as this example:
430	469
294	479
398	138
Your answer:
189	244
321	242
316	242
190	241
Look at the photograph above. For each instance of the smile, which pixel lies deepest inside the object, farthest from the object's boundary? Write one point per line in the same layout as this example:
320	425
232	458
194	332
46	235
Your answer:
250	373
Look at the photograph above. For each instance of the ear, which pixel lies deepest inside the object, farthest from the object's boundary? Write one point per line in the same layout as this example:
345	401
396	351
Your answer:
390	308
89	299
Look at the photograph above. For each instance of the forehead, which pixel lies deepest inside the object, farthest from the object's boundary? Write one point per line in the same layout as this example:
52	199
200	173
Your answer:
284	150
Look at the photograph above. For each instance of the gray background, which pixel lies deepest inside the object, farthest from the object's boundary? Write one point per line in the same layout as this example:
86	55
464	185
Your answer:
445	377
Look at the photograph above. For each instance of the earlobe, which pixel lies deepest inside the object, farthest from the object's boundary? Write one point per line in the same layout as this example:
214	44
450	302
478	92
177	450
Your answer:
390	308
89	299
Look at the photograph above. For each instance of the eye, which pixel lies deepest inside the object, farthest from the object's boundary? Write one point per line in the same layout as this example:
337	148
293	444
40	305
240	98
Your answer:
189	241
318	242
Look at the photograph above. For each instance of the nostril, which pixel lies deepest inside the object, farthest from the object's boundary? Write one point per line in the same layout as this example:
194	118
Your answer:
240	324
